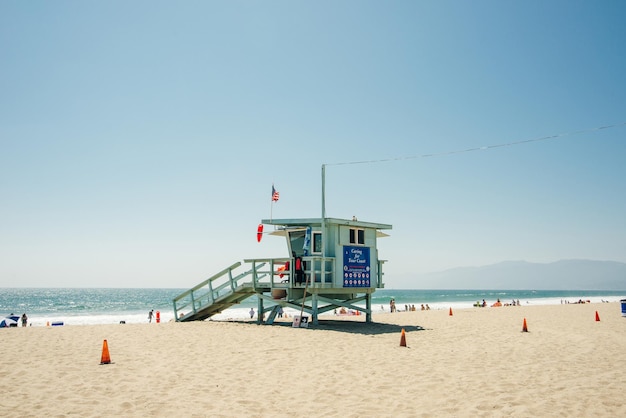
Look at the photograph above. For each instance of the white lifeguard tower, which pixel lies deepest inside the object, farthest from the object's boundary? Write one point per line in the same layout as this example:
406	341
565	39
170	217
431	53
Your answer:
341	268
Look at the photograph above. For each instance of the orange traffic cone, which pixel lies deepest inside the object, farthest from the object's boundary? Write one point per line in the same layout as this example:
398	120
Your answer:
597	316
402	339
524	327
450	311
105	359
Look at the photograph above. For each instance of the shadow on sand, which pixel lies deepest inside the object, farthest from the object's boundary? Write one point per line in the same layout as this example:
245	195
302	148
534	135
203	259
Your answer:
350	327
371	328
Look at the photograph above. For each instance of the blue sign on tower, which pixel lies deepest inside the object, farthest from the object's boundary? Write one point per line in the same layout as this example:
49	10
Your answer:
356	266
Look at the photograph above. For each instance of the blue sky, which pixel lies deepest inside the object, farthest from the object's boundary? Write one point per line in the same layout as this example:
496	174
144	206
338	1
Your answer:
139	140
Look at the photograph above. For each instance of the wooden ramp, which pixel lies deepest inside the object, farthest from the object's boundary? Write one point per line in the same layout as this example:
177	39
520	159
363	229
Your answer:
205	311
219	292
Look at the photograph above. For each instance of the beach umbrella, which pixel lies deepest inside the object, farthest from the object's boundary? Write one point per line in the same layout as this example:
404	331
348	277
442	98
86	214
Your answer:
9	321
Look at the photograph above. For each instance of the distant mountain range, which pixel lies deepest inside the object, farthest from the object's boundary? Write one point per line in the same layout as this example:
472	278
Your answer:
522	275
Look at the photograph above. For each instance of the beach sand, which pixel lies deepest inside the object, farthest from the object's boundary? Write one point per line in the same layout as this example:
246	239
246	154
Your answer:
477	362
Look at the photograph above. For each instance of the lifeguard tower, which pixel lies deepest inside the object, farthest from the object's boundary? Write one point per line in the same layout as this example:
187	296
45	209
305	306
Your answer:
341	269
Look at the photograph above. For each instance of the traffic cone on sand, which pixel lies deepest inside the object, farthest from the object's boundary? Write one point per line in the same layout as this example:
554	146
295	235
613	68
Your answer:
524	327
402	339
450	311
105	359
597	317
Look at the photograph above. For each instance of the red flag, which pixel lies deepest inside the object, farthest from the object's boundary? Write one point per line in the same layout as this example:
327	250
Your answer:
275	194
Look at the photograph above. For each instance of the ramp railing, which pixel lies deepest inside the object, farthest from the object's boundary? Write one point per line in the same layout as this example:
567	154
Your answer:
227	285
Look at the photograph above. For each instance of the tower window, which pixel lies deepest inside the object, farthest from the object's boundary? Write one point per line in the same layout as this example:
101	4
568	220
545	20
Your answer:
357	236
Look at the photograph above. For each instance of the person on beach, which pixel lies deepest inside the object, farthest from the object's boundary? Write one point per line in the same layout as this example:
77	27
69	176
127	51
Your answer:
298	268
24	319
251	313
150	315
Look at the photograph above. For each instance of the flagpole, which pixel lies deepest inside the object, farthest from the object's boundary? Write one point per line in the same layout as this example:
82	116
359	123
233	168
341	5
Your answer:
323	192
323	266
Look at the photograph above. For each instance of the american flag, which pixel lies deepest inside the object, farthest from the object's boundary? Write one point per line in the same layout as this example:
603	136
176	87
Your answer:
275	194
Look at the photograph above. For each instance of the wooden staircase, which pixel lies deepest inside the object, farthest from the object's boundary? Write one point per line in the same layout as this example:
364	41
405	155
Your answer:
222	291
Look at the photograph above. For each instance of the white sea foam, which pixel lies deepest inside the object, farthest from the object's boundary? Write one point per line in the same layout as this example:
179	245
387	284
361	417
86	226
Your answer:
99	319
523	302
242	312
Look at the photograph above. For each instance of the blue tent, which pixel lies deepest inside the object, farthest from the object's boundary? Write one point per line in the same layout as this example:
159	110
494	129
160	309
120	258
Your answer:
9	321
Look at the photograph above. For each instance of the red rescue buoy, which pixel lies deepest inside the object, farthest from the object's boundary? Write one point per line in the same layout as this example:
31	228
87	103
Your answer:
158	317
259	233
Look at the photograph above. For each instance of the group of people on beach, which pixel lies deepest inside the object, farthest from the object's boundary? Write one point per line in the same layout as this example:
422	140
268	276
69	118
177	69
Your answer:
344	311
497	303
407	308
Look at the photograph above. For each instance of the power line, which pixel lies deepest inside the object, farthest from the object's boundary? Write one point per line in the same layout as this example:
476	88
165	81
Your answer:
483	148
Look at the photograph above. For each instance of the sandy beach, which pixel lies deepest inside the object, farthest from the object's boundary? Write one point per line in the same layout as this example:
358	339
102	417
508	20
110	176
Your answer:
477	362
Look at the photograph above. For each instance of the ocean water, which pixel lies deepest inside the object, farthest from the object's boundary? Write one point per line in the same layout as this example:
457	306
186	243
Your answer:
75	306
87	306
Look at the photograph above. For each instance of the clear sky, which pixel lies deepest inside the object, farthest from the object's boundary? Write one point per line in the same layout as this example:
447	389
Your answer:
139	140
